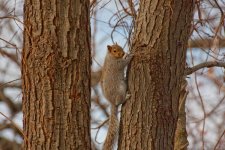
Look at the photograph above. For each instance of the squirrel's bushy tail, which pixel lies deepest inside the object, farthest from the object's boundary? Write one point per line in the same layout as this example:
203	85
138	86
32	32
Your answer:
112	131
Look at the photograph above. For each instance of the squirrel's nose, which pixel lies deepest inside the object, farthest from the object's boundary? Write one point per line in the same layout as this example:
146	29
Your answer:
122	54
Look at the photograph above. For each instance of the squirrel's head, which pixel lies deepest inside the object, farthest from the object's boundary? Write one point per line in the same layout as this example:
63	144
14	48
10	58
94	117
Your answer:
116	51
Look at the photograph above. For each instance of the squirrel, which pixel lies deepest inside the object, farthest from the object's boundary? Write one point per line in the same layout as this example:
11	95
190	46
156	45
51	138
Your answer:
95	77
114	88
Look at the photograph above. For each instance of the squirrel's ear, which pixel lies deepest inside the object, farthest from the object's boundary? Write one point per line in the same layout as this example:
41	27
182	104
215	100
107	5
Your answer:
109	48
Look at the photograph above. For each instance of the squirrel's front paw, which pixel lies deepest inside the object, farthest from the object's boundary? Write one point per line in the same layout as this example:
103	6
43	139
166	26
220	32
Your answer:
128	96
129	56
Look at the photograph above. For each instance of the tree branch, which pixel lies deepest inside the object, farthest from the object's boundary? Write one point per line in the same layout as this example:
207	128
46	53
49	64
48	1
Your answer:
205	43
209	64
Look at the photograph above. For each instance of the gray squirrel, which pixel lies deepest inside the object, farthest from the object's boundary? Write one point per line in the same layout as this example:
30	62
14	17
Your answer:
114	87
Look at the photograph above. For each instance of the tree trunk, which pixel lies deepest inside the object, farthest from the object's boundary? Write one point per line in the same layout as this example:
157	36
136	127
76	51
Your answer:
55	72
149	117
180	141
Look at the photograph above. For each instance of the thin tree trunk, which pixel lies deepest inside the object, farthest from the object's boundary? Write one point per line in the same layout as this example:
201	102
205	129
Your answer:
180	141
55	72
149	118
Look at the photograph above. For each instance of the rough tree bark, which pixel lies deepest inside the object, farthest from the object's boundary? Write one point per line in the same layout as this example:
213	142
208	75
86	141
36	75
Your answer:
55	72
149	118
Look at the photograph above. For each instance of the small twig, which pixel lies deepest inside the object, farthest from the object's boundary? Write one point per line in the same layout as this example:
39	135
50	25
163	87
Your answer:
199	12
14	124
1	85
97	62
221	10
131	5
125	9
219	140
97	136
12	57
191	70
98	129
12	17
102	124
13	45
